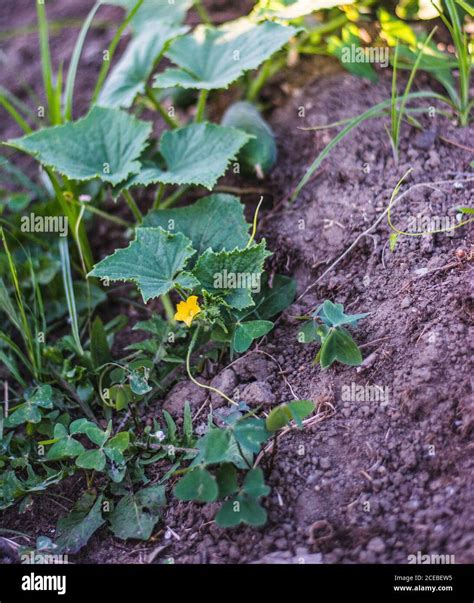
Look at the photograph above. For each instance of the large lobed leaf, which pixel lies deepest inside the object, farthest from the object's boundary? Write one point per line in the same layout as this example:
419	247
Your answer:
129	76
197	154
211	57
152	261
214	271
105	144
216	222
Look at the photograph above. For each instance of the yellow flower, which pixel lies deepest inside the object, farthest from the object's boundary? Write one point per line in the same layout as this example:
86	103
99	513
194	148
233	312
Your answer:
187	310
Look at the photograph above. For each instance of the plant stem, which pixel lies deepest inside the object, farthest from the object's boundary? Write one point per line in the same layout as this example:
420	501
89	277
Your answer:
168	306
201	106
172	123
159	195
258	83
171	200
188	370
133	206
101	213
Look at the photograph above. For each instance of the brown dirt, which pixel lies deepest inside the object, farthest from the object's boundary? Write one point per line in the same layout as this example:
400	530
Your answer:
372	481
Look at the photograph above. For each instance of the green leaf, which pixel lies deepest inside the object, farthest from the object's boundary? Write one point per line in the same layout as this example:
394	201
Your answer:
171	427
232	274
292	9
29	411
394	29
197	485
91	459
216	222
120	441
187	423
155	12
333	315
227	480
100	352
259	155
273	300
66	447
96	435
121	395
278	417
197	154
211	58
241	509
246	332
251	433
216	447
254	483
308	332
136	515
139	382
130	75
105	144
74	531
345	50
340	346
300	409
151	261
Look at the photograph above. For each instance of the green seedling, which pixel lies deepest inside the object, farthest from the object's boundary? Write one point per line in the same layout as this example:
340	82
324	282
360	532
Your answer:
327	326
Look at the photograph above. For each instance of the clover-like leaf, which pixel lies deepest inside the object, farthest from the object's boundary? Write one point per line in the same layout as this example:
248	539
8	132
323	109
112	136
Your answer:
65	447
151	261
105	144
136	515
217	445
250	433
29	411
155	12
254	483
241	509
130	75
339	345
197	154
246	332
197	485
92	459
215	222
120	441
227	480
214	57
74	531
234	275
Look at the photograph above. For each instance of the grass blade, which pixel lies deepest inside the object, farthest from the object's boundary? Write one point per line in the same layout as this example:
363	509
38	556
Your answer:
46	67
375	111
69	291
111	51
71	75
